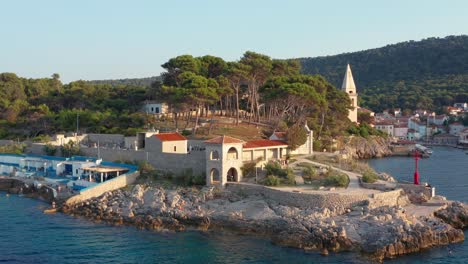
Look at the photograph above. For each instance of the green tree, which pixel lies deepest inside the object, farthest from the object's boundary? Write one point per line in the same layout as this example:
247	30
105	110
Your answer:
259	70
296	136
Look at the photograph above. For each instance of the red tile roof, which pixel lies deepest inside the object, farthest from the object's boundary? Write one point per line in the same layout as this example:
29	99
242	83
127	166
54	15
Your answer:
170	136
263	143
223	140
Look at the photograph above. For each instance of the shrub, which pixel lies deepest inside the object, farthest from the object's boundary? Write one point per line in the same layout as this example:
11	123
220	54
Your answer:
189	179
369	176
42	138
14	149
337	179
50	149
290	179
199	180
272	180
274	168
309	172
248	170
186	132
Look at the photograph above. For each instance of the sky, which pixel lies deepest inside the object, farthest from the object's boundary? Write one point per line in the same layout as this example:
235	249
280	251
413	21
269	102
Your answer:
113	39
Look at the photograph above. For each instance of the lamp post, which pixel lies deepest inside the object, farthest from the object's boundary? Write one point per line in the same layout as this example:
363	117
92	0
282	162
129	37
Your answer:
416	172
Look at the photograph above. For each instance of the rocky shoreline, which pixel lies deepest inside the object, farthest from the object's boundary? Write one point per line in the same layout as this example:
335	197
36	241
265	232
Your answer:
26	188
380	233
367	148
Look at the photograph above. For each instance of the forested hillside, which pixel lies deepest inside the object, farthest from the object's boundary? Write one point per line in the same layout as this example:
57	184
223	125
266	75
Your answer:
33	107
143	82
255	88
415	74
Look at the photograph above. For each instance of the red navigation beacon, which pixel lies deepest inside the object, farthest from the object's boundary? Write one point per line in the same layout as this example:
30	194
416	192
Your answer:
416	173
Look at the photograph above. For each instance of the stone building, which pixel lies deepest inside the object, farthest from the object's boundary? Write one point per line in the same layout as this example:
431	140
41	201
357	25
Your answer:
226	155
350	88
306	148
167	143
223	160
153	107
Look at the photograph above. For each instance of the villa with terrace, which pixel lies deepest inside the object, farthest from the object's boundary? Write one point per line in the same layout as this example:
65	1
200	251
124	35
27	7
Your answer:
77	173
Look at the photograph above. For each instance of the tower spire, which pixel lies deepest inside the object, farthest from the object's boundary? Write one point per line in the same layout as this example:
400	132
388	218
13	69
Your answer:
348	81
350	89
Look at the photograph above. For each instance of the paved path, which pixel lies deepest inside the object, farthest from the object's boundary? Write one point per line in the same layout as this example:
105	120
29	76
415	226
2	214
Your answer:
352	188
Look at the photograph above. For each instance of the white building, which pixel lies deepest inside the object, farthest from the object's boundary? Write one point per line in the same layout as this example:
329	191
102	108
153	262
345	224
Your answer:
437	119
167	143
226	155
463	106
306	148
151	107
349	87
400	131
463	137
456	128
385	126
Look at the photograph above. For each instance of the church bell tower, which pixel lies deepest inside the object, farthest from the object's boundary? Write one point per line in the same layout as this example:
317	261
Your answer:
350	88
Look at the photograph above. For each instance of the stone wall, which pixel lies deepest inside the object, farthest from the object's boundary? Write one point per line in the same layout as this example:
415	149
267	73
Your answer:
98	190
320	200
35	148
390	198
176	163
104	140
300	200
416	193
5	142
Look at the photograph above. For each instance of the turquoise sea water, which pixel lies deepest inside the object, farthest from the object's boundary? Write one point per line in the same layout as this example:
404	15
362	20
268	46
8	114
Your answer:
29	236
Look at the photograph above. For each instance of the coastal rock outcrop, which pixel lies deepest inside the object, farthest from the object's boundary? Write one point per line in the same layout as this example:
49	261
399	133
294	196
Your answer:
366	148
382	232
27	188
456	214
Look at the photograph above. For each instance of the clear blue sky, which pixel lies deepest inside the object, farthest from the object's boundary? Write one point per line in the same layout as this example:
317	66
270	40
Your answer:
109	39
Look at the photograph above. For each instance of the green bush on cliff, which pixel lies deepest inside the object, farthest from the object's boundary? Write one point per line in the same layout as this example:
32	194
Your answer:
369	176
189	179
13	149
337	179
290	179
248	169
272	180
50	149
274	168
309	172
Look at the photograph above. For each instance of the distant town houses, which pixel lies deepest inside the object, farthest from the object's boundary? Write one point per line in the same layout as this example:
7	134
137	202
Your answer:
463	137
463	106
423	125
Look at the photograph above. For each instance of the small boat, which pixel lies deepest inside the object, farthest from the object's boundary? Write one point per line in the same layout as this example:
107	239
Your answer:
50	211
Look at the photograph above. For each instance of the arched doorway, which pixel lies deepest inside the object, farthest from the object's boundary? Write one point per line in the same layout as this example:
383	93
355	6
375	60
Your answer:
214	174
232	175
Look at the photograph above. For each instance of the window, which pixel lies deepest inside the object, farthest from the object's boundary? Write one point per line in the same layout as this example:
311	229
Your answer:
175	148
214	155
157	110
152	109
232	154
